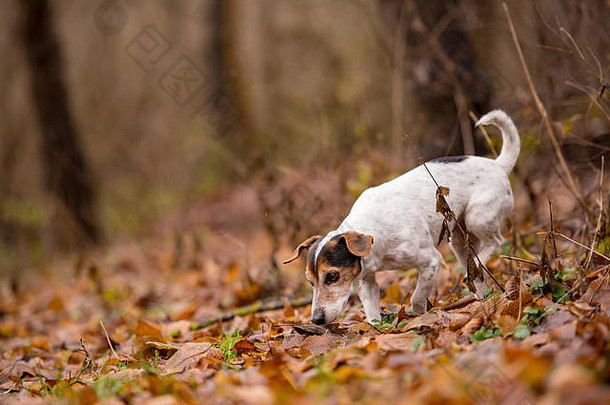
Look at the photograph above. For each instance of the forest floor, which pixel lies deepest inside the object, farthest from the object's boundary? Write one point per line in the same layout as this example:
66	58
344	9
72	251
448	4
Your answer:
133	323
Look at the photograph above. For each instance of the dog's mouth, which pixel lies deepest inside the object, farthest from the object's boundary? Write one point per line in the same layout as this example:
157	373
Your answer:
323	315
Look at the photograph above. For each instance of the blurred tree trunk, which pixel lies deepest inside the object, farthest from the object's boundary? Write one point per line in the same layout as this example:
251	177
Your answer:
224	85
66	173
443	78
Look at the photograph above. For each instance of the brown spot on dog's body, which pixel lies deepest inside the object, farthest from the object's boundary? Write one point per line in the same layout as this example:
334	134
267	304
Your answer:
336	254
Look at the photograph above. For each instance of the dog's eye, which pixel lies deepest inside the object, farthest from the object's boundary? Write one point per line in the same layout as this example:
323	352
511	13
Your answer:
332	277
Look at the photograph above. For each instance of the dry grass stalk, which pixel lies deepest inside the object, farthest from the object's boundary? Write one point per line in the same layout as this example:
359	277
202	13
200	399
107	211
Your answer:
582	246
545	117
475	119
599	217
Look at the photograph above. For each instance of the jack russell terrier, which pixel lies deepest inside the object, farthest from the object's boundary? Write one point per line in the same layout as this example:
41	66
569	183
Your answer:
400	218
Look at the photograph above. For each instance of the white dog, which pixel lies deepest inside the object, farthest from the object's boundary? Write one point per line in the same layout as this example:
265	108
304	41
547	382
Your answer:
400	218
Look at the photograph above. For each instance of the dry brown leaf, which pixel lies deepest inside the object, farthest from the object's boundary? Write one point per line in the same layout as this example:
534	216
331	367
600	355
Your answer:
251	394
244	346
345	374
473	271
148	331
445	233
396	342
535	340
428	319
87	395
288	309
248	294
512	287
531	368
316	345
506	323
512	308
361	329
393	294
565	332
459	320
472	326
309	329
441	203
446	338
291	341
187	356
404	315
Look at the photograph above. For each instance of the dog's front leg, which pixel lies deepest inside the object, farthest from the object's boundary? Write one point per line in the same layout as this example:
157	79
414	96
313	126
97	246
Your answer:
368	291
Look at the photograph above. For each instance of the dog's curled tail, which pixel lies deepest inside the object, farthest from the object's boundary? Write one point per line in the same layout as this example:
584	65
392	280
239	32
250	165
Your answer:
511	144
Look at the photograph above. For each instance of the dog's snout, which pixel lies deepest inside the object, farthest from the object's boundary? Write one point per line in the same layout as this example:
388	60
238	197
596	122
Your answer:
318	318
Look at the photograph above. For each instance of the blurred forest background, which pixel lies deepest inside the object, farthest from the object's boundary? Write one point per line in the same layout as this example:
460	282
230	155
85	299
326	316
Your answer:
125	119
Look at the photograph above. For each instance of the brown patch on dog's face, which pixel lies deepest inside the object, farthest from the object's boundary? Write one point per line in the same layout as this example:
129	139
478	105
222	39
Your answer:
331	275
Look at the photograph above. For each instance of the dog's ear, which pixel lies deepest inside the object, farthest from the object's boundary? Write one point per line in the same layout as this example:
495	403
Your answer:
306	244
357	243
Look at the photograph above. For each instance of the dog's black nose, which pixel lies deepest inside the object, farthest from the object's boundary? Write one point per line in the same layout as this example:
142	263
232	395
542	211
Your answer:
318	318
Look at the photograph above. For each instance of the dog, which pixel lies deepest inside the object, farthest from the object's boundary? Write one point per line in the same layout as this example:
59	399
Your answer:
395	226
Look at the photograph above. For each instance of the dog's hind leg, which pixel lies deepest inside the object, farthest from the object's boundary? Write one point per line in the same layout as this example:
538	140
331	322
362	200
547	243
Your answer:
425	280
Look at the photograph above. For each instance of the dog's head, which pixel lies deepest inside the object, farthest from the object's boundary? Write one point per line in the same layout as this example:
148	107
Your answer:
333	264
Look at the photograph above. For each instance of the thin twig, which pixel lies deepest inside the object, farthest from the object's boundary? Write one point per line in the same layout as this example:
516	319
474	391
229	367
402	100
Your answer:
252	309
574	44
520	295
108	340
485	134
552	227
461	303
87	363
592	96
545	117
599	217
520	260
582	246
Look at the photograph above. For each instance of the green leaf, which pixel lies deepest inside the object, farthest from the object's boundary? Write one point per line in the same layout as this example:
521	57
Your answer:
537	285
465	292
559	292
388	318
491	294
532	310
522	331
484	333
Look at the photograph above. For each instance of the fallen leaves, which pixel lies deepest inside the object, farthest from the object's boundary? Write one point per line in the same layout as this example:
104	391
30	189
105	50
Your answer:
315	346
187	356
521	346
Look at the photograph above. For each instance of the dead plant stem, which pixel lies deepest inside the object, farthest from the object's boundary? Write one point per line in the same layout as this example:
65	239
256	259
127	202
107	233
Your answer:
599	216
545	117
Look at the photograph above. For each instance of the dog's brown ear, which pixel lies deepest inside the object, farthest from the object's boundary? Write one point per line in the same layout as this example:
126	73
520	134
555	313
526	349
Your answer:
304	245
358	243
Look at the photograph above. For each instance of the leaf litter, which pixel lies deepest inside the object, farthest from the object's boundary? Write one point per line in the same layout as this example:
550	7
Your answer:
161	339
